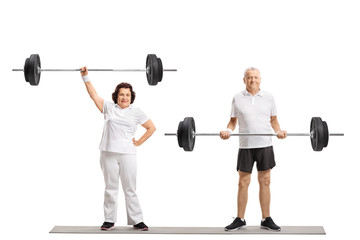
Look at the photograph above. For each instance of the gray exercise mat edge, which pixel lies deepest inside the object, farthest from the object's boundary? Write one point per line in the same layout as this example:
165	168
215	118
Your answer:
293	230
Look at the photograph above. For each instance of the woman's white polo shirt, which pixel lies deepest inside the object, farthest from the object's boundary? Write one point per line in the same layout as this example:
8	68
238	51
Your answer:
120	127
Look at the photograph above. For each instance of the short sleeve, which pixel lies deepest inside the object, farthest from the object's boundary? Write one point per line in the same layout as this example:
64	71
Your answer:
234	110
273	107
141	116
106	107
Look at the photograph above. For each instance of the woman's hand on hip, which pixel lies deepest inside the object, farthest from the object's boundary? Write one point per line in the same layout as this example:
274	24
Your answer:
136	143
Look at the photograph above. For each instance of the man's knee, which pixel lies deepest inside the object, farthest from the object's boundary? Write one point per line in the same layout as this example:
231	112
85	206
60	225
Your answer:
264	180
244	181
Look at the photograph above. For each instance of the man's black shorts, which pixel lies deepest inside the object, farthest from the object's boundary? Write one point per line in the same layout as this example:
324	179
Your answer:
264	158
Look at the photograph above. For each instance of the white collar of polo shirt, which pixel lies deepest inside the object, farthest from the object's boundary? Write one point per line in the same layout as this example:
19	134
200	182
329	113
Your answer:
129	107
260	93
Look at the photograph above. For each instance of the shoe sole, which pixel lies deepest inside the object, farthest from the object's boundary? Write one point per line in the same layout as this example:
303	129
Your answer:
142	229
238	228
107	229
267	228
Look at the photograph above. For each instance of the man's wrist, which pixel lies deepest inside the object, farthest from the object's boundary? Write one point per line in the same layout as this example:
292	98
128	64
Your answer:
229	130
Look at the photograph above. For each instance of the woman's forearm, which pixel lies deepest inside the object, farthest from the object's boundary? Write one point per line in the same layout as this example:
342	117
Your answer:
91	90
99	102
146	135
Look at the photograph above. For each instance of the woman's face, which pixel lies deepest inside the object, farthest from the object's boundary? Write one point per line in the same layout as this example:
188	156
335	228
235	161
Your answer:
124	97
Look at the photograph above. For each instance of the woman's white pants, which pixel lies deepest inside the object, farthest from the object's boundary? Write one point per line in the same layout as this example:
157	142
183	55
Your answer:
123	166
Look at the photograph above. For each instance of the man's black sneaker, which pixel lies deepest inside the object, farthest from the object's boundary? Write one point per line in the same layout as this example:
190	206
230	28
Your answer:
236	224
141	227
107	226
269	224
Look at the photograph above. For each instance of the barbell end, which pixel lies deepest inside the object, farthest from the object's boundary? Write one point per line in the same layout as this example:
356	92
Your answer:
170	70
337	134
18	70
170	134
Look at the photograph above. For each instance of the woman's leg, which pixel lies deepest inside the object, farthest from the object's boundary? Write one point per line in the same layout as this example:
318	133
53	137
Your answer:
128	170
110	168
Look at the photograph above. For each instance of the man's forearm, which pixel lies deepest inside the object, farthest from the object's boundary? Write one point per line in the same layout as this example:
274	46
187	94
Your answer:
275	125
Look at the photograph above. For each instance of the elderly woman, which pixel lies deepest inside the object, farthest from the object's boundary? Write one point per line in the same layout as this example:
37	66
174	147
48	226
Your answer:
118	150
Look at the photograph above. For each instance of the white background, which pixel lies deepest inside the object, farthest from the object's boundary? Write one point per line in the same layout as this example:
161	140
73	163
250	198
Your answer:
307	51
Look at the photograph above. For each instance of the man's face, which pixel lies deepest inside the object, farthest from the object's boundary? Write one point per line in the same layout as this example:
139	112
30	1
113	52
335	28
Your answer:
252	80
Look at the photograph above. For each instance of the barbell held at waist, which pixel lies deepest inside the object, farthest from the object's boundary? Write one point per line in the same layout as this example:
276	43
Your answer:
154	69
319	134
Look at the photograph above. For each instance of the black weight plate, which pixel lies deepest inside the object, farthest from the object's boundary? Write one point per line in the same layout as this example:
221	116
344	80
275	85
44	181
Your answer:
326	133
31	72
179	134
188	138
157	70
184	134
161	70
193	131
318	138
38	73
153	65
26	66
149	60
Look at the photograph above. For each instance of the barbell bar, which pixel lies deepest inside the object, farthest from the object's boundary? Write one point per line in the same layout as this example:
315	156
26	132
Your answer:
154	69
319	134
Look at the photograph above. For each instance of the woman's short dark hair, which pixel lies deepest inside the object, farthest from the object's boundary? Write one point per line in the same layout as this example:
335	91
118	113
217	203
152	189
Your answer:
123	85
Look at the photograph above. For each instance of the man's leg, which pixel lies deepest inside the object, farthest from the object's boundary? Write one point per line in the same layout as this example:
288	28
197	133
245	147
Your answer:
264	193
244	181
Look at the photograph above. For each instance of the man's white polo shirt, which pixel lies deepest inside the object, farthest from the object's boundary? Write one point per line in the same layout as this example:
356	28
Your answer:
120	127
253	113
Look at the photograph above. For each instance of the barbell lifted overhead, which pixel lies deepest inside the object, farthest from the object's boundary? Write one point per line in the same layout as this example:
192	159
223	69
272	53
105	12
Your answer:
154	69
319	134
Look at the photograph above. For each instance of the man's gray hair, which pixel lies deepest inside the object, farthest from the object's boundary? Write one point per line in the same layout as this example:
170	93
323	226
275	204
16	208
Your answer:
250	69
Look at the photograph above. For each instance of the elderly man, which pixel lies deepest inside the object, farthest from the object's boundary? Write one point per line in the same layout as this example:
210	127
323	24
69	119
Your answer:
255	112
